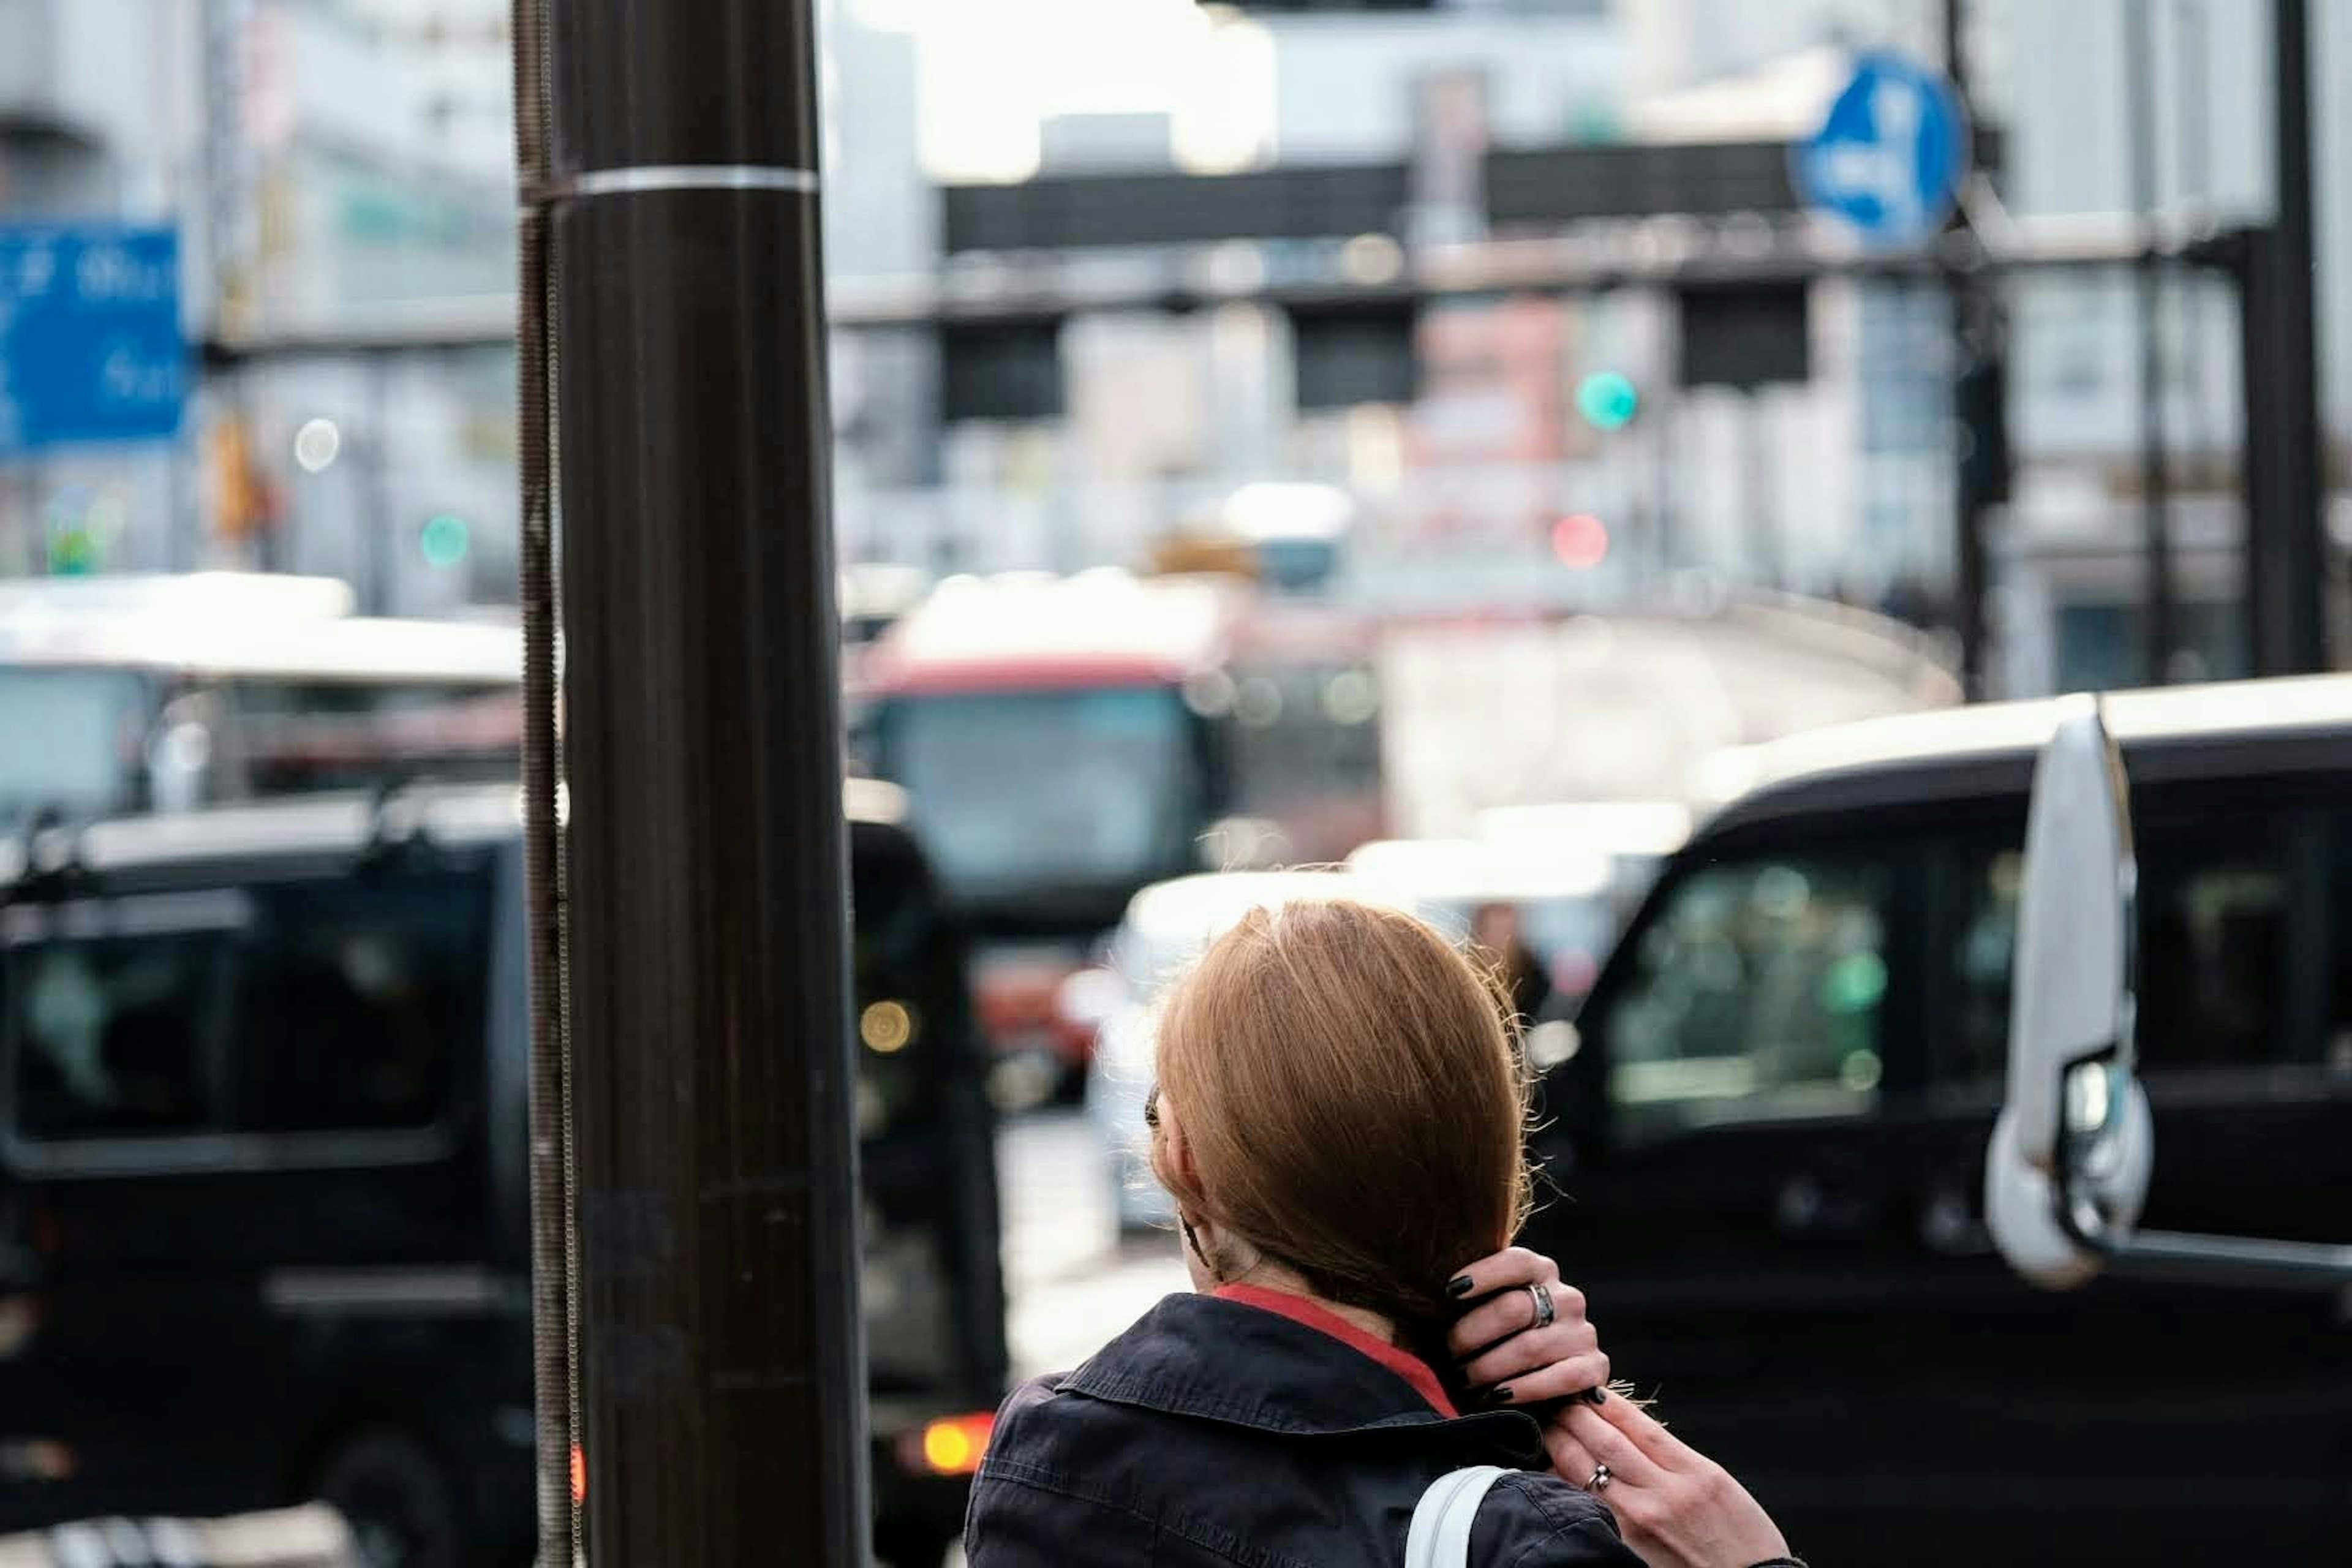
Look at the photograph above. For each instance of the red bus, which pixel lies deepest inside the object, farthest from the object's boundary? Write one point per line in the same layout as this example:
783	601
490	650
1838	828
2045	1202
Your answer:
1064	742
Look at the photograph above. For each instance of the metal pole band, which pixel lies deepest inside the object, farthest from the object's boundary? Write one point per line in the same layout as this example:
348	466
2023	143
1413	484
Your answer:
684	177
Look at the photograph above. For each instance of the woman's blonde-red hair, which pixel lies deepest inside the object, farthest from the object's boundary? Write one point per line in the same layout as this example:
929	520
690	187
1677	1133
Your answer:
1352	1102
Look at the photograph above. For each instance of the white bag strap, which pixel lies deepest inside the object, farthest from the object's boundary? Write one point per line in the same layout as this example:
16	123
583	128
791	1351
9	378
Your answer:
1440	1535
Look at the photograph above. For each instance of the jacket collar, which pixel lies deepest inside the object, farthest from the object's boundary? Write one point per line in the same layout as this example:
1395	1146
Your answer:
1242	1365
1299	1309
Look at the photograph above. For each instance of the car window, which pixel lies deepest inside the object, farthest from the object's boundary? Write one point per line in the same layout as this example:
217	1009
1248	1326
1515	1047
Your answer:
1757	994
356	994
2215	982
118	1035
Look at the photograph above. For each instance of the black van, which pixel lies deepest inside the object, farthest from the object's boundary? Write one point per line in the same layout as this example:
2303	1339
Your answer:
263	1202
1768	1146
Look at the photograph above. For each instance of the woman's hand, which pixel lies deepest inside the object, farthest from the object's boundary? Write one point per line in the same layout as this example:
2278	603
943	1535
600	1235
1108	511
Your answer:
1501	1347
1677	1507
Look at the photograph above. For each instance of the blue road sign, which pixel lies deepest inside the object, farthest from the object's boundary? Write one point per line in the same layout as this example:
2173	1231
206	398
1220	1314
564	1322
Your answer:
91	346
1890	158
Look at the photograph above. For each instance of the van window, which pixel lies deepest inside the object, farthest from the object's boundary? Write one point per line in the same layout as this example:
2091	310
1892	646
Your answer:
1756	995
119	1036
1984	951
2215	982
356	993
338	1005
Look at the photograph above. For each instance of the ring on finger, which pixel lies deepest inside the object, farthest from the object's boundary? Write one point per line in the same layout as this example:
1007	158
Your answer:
1601	1480
1542	1300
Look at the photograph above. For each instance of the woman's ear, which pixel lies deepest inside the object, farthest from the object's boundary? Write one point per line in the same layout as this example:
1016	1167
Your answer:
1178	1149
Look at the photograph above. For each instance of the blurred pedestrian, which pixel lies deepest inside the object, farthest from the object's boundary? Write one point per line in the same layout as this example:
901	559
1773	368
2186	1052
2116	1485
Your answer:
1495	928
1338	1118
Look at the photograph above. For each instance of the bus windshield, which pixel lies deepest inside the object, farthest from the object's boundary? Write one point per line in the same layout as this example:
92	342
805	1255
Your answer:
1021	793
70	739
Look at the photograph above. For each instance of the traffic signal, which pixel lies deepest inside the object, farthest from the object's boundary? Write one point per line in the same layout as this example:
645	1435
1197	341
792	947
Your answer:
1001	369
445	539
1746	335
73	553
1355	353
1580	540
1607	400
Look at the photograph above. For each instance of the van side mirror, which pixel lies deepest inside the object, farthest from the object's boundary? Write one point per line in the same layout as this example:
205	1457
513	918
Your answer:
2068	1166
2071	1154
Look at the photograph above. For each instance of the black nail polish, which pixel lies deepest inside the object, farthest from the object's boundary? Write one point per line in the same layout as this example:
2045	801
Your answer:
1458	1286
1499	1395
1597	1395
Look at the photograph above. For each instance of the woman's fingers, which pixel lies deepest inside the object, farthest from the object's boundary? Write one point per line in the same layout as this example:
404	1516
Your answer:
1674	1504
1603	1440
1512	1266
1513	1350
1525	1352
1648	1434
1570	1460
1513	1311
1553	1380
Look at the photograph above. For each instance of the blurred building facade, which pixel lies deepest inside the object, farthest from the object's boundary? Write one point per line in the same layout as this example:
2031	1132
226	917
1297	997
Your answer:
101	114
2072	572
330	167
341	165
1842	484
380	145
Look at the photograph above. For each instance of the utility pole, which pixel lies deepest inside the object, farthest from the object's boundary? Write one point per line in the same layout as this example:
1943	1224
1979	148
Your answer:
1979	405
720	1362
2156	501
2286	551
2193	90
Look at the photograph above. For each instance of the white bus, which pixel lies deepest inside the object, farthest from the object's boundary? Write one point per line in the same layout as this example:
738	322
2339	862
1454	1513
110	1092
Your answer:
161	693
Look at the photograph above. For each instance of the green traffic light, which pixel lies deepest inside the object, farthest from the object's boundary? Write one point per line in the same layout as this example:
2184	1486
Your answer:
1607	400
445	540
73	553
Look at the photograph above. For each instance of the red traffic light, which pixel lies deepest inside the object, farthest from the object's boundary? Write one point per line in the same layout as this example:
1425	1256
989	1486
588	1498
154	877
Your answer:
1579	540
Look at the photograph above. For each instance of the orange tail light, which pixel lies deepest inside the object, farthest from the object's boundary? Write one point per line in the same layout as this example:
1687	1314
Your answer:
950	1446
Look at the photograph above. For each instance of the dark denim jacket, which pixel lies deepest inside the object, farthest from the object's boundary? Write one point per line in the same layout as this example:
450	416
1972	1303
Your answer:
1213	1432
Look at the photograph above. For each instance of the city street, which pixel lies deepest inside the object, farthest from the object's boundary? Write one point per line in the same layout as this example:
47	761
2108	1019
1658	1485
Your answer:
1072	1282
1743	609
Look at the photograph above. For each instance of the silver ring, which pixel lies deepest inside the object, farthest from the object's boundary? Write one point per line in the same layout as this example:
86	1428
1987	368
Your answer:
1542	1299
1601	1480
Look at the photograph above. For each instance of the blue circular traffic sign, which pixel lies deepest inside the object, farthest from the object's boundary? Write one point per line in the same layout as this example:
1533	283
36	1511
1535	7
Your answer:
1890	157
